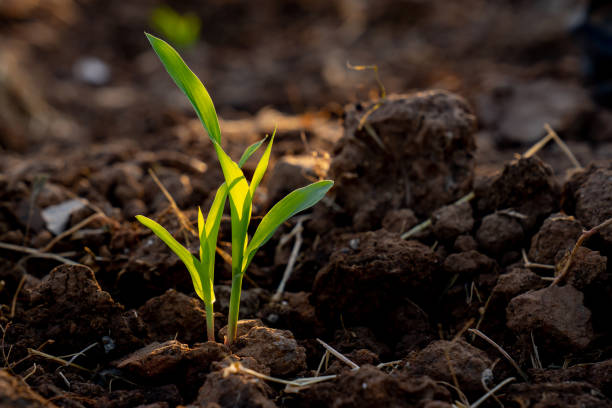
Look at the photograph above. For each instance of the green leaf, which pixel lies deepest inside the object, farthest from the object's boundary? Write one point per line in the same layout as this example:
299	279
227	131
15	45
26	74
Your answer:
249	151
261	166
189	83
240	205
193	265
296	201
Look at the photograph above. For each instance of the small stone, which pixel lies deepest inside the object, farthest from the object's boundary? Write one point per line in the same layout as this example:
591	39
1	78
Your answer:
92	70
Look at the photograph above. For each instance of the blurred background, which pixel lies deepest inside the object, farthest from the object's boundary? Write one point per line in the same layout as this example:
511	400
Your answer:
74	72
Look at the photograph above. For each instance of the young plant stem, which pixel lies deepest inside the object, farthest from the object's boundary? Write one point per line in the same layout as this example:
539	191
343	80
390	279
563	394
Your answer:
232	320
210	321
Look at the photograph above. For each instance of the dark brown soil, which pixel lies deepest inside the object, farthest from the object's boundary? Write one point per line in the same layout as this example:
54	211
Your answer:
96	312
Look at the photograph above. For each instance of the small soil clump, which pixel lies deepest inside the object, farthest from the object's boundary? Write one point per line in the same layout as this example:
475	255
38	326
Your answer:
374	276
557	317
558	234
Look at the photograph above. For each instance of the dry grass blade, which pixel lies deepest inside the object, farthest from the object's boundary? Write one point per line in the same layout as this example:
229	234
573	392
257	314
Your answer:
297	233
565	264
14	301
339	355
537	363
179	214
72	230
292	385
57	360
501	350
383	91
36	253
491	392
552	135
529	264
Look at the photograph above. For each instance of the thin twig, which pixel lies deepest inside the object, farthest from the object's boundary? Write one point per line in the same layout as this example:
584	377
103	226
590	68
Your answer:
552	135
81	353
179	214
28	375
72	230
537	363
501	350
529	264
339	355
236	367
583	237
488	394
297	232
57	360
323	358
563	146
14	302
36	253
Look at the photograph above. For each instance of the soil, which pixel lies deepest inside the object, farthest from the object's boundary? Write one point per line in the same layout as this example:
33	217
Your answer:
401	268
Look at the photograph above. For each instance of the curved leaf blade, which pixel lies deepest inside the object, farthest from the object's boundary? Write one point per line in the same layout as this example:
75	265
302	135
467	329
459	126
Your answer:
191	262
296	201
249	151
190	84
262	166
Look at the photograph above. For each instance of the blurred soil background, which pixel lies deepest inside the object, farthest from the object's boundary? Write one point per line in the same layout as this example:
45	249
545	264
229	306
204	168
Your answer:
76	72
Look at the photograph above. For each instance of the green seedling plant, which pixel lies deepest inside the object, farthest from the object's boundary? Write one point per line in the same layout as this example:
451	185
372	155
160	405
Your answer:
240	193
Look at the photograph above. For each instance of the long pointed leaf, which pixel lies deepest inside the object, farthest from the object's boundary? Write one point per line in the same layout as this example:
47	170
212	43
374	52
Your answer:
249	151
189	83
240	205
191	262
261	166
296	201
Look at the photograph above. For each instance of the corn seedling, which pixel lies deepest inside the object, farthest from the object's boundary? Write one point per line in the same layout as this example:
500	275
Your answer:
240	193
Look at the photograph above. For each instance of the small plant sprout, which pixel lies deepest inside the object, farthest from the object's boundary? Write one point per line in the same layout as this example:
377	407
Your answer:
240	193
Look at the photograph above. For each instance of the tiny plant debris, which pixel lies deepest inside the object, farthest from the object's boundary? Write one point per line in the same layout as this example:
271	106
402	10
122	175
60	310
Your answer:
240	193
